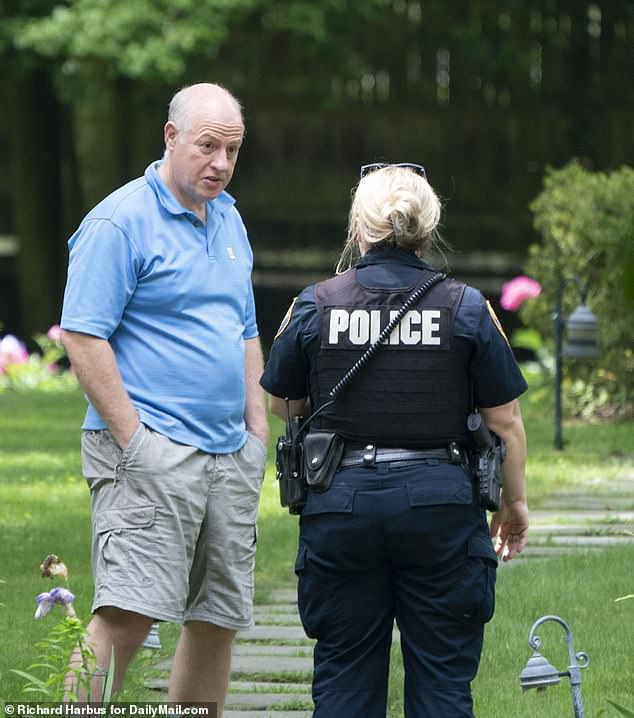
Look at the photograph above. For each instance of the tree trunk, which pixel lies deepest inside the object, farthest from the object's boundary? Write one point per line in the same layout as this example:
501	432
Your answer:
101	123
35	188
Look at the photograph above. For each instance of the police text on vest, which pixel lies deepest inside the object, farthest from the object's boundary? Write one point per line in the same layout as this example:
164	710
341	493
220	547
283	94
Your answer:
364	326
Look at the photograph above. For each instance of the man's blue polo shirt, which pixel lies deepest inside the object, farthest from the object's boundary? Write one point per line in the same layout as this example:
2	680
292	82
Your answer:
174	298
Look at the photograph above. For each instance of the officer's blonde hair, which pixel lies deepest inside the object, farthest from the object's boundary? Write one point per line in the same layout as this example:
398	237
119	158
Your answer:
391	207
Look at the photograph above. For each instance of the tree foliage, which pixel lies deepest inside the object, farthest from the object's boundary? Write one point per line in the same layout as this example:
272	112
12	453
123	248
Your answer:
145	38
161	39
484	91
586	220
499	51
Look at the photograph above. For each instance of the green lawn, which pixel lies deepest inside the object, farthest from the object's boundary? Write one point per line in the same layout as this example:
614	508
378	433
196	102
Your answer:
582	589
44	509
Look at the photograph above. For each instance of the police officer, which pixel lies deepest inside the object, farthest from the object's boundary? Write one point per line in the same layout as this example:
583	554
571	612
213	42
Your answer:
399	535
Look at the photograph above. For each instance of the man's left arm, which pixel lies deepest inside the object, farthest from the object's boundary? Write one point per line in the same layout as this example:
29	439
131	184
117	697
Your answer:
254	409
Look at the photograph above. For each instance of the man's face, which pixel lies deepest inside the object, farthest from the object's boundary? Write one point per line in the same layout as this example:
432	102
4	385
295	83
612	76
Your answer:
203	156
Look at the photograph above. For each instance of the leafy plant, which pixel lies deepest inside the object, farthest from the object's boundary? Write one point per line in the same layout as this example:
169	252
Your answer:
586	220
39	371
67	663
55	654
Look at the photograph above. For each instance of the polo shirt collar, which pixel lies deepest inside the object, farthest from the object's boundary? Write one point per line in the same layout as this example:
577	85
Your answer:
220	204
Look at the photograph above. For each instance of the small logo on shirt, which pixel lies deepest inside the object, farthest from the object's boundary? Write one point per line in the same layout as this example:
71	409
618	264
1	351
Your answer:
230	253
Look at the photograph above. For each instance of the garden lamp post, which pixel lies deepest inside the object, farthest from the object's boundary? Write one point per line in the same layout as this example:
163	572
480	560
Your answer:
582	330
539	673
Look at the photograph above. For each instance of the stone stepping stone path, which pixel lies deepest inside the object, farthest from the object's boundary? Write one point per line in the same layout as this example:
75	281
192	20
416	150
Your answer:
592	516
271	667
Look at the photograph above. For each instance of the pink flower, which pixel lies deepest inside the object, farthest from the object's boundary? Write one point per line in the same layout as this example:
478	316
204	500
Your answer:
12	351
517	290
54	333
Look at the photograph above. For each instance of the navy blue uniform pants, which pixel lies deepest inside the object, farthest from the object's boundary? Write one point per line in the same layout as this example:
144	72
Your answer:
395	543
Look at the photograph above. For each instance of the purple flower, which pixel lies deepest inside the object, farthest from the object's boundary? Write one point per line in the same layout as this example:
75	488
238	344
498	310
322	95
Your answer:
46	601
44	605
517	290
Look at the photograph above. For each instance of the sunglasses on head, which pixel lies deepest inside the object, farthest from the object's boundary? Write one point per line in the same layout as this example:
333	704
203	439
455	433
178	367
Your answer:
372	167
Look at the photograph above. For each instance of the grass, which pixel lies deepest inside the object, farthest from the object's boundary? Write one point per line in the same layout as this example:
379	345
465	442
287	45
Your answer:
44	509
581	588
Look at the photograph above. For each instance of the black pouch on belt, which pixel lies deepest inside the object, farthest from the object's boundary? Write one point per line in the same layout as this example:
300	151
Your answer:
322	454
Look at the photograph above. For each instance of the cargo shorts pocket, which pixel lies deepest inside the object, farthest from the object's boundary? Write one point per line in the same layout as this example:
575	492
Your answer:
137	443
126	545
472	597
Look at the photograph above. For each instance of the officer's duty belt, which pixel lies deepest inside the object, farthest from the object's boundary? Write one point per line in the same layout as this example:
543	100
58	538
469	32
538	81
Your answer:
370	455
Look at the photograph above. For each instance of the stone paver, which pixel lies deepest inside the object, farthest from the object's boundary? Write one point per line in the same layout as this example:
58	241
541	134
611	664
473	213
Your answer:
253	649
271	665
262	701
253	686
274	633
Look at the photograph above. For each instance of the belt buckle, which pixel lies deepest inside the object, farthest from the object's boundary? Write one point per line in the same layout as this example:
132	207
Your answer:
369	455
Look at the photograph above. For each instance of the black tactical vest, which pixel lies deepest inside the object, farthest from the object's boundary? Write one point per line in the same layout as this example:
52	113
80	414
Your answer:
414	392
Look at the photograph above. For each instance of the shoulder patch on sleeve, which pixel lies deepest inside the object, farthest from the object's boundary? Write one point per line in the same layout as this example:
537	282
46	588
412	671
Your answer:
286	320
496	321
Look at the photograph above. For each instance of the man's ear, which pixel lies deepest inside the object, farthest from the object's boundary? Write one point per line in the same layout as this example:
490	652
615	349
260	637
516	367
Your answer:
169	134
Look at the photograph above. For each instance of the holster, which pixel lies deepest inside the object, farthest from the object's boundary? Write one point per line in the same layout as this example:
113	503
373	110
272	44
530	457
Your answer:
290	474
322	454
487	471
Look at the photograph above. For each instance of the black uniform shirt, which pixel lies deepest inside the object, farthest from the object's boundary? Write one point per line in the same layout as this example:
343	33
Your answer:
497	378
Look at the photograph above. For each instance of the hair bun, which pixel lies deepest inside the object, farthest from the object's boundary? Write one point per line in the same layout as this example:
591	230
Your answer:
402	212
399	221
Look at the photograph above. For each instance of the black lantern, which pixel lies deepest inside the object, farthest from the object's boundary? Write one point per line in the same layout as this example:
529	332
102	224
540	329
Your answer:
582	332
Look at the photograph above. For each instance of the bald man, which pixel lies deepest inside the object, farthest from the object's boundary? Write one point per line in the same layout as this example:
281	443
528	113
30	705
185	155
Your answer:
159	324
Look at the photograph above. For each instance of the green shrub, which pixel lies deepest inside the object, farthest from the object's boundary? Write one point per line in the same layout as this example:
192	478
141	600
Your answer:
586	220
